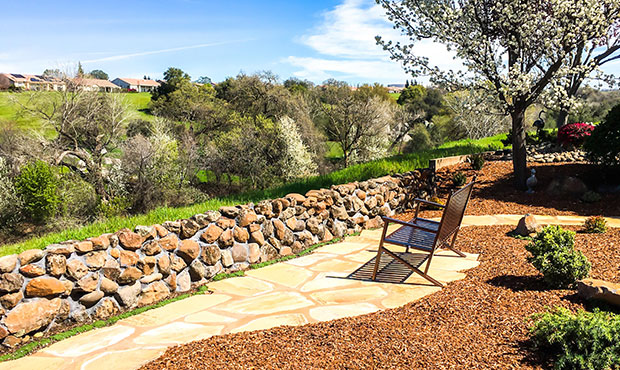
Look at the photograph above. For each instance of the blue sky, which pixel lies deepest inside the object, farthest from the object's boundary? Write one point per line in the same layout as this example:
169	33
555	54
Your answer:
315	39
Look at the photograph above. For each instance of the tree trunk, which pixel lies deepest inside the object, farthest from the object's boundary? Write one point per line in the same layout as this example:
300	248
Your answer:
562	118
519	153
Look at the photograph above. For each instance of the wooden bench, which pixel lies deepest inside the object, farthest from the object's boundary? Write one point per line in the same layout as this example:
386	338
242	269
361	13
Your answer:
425	235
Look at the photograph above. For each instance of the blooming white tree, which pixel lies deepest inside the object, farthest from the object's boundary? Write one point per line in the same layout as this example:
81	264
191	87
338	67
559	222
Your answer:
476	114
296	161
520	51
596	53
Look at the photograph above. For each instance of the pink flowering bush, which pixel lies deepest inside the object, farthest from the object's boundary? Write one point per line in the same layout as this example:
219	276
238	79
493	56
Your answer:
574	134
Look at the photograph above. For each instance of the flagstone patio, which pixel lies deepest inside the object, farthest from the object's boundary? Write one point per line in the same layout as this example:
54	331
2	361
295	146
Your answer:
308	289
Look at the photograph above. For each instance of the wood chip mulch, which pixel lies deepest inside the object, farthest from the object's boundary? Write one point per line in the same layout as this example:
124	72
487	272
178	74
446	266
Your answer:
480	322
495	194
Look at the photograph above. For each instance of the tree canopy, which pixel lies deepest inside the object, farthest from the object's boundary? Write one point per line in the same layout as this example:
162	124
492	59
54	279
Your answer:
521	52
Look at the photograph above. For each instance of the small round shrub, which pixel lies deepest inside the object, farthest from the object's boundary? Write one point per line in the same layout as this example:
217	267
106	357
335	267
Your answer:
477	161
459	179
603	146
140	127
78	198
117	206
581	341
574	134
554	255
595	225
435	200
591	197
37	186
420	140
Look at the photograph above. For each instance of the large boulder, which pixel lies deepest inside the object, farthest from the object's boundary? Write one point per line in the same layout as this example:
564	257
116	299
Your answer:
8	263
76	269
29	256
189	250
527	225
153	293
128	295
189	228
56	264
599	289
211	254
32	315
44	287
10	282
564	186
211	234
129	239
169	242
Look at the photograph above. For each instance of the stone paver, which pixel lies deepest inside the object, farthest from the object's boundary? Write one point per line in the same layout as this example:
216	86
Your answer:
292	319
177	332
132	358
269	303
304	290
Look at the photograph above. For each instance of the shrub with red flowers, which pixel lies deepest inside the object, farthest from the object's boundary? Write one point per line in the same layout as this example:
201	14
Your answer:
574	134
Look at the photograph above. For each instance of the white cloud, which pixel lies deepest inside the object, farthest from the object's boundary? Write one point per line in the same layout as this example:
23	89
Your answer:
345	40
318	69
161	51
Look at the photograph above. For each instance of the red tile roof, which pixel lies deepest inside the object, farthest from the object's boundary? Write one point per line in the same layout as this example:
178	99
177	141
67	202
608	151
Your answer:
140	82
94	82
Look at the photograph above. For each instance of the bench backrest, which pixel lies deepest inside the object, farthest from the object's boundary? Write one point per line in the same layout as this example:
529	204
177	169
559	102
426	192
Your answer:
453	213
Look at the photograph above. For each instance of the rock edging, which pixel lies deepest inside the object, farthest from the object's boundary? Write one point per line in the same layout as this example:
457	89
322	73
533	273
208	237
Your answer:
93	279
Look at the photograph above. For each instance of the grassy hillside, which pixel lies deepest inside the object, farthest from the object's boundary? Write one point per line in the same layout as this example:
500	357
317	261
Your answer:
11	111
360	172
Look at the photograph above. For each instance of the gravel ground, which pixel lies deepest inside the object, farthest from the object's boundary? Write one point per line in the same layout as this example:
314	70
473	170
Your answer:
480	322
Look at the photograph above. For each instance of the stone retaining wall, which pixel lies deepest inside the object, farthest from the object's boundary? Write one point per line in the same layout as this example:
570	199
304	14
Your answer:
83	281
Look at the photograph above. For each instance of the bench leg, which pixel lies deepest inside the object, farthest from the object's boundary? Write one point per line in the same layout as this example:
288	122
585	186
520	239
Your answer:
378	258
451	245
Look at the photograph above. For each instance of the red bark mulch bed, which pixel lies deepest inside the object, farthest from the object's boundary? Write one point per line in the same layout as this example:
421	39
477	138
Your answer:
495	194
480	322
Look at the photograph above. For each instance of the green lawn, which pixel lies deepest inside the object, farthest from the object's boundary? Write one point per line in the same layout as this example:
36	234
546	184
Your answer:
139	102
395	96
359	172
12	112
333	150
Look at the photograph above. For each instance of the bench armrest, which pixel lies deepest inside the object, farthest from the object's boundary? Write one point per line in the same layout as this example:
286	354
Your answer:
388	220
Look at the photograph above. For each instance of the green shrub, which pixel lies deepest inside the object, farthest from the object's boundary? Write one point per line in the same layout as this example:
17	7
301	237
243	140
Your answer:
477	161
37	186
420	140
595	225
77	197
459	179
116	206
603	145
554	255
591	197
436	200
586	340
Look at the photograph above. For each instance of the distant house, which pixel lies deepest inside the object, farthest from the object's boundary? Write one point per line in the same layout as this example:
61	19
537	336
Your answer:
138	84
30	82
94	84
395	89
